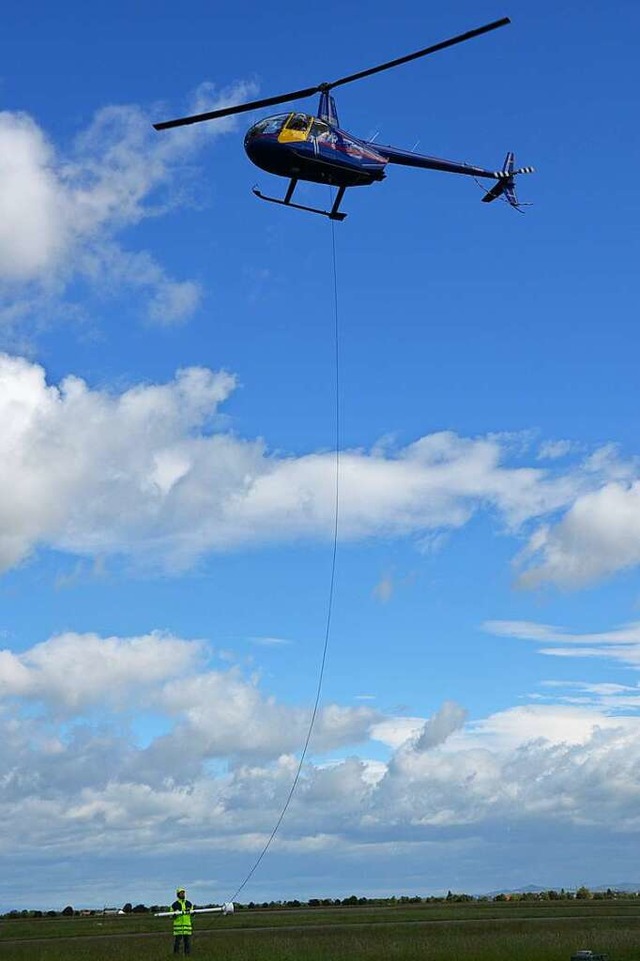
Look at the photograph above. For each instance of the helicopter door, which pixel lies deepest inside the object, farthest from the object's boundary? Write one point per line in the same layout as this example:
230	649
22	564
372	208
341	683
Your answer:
296	128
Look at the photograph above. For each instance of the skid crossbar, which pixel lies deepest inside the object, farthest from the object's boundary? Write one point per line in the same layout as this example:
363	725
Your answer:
334	214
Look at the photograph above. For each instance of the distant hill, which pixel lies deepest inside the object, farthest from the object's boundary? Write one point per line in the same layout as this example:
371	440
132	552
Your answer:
527	889
626	886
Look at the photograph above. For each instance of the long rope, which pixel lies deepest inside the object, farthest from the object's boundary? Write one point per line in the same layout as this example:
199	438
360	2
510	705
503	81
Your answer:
332	578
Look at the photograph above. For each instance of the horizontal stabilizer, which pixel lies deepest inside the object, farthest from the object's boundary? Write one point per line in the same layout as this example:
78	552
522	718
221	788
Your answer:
495	192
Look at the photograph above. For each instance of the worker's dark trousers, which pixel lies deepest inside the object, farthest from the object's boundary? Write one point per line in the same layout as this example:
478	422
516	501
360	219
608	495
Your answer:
185	939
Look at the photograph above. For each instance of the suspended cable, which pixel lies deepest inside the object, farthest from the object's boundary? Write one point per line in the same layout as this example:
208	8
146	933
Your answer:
332	577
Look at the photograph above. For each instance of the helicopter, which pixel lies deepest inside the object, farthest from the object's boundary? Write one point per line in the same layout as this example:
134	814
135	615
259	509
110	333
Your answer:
302	146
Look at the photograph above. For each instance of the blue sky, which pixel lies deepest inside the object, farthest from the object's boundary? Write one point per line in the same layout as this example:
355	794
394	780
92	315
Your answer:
167	401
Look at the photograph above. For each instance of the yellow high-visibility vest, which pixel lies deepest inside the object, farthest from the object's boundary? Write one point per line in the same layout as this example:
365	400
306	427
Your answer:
182	921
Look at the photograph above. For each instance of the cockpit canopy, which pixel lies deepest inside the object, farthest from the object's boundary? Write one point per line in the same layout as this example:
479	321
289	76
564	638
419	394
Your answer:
289	126
269	127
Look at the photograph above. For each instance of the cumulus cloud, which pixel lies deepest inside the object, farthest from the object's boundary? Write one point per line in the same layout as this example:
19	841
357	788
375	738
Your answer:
598	536
397	730
75	672
564	764
68	755
451	717
557	765
62	210
216	770
147	473
84	470
554	449
212	712
32	221
517	727
222	714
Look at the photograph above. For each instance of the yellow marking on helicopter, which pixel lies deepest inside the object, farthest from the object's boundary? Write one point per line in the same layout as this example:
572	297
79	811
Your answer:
296	128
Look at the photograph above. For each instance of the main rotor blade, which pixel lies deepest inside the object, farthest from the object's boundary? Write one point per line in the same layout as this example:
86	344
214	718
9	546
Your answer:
238	108
309	91
420	53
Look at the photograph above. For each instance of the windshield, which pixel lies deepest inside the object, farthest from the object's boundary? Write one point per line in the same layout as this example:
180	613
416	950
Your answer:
271	126
299	122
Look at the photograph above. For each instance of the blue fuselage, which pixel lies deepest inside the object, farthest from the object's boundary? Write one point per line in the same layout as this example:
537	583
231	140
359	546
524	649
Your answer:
302	147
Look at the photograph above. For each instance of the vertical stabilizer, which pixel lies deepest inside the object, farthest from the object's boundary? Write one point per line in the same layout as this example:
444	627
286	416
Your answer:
327	110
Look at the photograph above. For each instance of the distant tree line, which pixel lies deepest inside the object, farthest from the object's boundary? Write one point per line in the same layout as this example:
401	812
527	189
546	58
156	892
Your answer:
581	893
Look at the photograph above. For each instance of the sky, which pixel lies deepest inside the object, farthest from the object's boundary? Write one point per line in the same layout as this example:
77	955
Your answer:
168	399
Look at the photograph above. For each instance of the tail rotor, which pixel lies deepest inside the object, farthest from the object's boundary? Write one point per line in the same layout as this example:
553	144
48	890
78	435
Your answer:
506	186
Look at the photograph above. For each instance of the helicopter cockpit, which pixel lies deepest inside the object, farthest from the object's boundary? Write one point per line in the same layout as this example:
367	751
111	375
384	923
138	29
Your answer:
289	128
270	127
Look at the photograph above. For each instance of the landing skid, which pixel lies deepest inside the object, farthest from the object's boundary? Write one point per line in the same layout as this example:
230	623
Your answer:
333	214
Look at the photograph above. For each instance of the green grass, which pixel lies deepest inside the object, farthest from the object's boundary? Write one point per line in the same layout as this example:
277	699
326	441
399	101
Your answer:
551	931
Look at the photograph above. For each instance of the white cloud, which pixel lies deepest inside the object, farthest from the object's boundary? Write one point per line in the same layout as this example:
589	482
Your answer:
604	696
415	734
532	631
396	731
270	641
213	713
383	591
598	536
75	672
222	714
448	719
568	765
144	473
514	728
216	774
620	644
61	211
109	268
33	231
554	449
87	471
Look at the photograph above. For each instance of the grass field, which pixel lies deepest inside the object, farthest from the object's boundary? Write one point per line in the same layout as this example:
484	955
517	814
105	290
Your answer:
547	931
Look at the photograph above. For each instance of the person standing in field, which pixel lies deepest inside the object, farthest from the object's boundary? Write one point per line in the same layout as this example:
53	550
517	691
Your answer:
182	927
